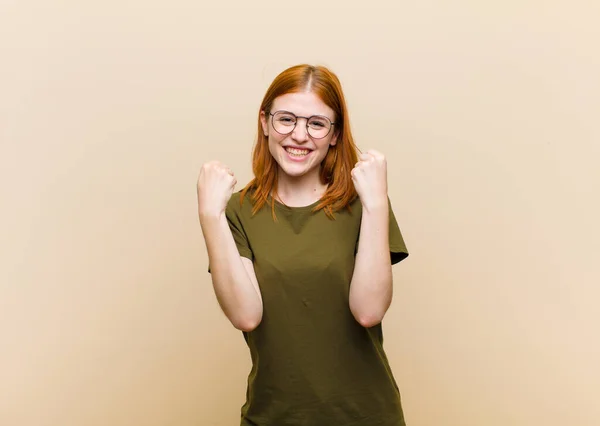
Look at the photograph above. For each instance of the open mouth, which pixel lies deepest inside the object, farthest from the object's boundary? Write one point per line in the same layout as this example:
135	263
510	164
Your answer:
297	152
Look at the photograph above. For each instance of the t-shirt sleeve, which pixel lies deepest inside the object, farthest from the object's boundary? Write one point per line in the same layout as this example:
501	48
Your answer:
233	215
398	249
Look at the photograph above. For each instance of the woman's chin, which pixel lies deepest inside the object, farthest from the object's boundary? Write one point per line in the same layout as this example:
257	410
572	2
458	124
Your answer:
295	170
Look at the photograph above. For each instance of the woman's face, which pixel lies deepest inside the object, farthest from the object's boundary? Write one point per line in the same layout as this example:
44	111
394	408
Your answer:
298	153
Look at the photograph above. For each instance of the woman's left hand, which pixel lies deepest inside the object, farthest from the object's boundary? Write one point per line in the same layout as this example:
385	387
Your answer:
370	179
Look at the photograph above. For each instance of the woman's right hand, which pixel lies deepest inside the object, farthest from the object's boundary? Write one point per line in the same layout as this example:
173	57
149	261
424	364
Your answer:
215	187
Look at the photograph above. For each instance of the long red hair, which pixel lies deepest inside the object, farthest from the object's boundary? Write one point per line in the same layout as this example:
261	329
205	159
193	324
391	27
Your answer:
340	159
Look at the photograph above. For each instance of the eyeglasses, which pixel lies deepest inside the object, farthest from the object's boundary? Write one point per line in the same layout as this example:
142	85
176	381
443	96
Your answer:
317	126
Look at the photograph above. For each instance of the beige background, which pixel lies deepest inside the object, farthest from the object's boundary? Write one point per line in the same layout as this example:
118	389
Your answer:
488	115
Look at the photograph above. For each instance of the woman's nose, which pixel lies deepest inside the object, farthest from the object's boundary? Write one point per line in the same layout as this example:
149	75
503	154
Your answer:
300	132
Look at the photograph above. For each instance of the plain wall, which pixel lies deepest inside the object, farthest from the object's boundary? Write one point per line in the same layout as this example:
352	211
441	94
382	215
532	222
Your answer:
488	114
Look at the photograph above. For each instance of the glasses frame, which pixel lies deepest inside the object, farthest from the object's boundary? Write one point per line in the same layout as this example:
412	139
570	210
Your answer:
272	114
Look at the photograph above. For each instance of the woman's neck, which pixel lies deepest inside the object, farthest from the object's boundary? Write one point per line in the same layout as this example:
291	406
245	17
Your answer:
299	191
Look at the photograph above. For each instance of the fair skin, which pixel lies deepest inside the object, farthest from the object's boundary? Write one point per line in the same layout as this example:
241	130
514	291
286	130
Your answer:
299	157
371	285
298	181
233	277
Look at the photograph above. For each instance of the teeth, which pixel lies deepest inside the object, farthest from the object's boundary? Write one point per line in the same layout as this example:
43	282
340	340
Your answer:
296	151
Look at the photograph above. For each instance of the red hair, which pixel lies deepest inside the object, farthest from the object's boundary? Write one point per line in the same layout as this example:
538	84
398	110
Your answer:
340	159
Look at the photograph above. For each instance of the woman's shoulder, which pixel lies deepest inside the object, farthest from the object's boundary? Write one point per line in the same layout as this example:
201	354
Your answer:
234	200
240	200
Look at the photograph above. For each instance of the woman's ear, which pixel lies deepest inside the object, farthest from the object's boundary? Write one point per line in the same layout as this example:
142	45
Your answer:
263	122
334	139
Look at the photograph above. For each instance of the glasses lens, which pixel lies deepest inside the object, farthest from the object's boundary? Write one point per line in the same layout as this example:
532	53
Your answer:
318	127
284	122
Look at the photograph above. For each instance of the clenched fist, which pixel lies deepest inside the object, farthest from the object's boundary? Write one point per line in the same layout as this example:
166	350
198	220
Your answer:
370	179
215	187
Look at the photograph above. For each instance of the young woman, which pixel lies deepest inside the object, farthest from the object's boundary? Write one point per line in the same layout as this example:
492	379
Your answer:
300	261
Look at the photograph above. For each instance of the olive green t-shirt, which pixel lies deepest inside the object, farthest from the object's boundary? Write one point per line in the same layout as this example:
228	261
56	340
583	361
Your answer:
313	364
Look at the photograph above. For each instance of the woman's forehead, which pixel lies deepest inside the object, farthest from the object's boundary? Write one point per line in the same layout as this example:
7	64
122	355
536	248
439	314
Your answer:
302	103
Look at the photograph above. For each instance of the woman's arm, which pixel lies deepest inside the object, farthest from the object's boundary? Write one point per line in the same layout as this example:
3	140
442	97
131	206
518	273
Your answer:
371	287
233	276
